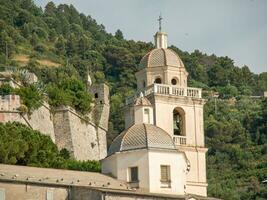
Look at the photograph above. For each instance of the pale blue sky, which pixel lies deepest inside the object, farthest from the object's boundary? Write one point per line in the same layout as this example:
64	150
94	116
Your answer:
234	28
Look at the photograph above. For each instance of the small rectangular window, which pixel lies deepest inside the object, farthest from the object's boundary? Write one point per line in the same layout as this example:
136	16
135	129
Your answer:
165	173
134	174
2	194
146	116
49	194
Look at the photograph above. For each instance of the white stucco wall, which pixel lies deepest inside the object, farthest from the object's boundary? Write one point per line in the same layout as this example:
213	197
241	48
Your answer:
148	163
193	119
138	159
177	164
109	165
118	166
140	117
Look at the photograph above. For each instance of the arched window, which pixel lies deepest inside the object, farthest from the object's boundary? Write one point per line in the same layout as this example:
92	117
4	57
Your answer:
174	81
158	80
178	122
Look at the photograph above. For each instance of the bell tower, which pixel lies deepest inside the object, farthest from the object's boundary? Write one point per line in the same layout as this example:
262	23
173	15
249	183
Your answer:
177	109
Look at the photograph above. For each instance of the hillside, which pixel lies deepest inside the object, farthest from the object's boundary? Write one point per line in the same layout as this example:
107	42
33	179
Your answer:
62	46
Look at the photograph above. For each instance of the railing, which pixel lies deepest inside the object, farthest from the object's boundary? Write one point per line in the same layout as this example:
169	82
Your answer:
179	140
168	90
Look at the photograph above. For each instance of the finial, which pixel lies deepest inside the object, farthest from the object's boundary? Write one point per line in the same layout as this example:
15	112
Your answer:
160	19
141	95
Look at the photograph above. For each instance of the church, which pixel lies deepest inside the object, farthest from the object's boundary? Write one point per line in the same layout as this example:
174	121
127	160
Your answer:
160	155
162	148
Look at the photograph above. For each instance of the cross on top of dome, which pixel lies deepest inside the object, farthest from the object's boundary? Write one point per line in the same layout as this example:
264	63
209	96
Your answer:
160	37
160	21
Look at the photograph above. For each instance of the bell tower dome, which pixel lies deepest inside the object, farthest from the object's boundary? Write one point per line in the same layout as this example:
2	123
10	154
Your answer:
161	66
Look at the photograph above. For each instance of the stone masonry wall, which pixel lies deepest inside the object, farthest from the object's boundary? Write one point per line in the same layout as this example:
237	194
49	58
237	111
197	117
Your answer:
78	135
84	138
40	119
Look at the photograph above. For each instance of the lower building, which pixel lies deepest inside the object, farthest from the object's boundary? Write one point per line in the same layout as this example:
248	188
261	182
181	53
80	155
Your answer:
25	183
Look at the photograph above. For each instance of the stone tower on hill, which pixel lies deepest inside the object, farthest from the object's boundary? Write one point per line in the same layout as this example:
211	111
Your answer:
83	136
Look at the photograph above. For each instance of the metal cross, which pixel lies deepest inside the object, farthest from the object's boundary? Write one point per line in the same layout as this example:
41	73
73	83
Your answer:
160	19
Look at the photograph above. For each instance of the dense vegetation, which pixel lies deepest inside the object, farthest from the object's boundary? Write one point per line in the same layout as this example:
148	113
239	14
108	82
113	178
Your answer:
23	146
235	131
237	156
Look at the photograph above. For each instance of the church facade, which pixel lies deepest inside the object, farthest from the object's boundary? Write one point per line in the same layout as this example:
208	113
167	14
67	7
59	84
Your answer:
162	149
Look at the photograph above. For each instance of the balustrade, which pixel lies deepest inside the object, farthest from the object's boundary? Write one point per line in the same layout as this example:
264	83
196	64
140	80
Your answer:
168	90
179	140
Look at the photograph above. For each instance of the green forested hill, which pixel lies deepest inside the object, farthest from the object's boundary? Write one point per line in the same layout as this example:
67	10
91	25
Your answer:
62	46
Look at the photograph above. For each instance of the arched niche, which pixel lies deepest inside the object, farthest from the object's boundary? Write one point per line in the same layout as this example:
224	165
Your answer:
179	121
175	81
158	80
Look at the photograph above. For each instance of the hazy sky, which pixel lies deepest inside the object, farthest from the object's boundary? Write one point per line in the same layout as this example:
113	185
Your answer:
234	28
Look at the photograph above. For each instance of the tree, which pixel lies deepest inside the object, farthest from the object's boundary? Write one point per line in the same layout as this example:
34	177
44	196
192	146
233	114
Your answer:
60	46
50	9
21	145
119	35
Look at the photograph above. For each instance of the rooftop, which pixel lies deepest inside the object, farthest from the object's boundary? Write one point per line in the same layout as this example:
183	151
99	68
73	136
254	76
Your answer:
59	177
161	57
142	136
91	180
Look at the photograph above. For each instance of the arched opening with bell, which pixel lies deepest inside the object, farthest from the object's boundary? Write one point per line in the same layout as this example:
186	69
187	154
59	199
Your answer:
179	121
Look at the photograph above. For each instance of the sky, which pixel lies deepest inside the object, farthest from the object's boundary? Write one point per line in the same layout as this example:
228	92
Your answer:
233	28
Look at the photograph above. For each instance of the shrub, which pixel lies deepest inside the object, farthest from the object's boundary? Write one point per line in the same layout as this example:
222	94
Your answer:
6	89
21	145
30	97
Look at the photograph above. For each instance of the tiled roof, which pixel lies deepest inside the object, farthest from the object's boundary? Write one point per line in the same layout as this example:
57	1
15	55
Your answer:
161	57
142	136
142	101
59	177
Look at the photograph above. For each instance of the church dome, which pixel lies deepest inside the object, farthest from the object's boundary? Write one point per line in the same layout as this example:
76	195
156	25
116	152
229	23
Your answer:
161	57
141	136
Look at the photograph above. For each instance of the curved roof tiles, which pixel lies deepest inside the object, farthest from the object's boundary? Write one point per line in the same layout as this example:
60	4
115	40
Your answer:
141	136
161	57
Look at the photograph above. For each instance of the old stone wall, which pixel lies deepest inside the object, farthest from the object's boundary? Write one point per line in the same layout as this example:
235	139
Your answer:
90	194
13	191
40	119
62	130
26	191
83	136
83	139
9	109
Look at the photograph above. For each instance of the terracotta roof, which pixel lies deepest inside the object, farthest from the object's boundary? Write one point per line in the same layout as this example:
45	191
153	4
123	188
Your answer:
142	136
